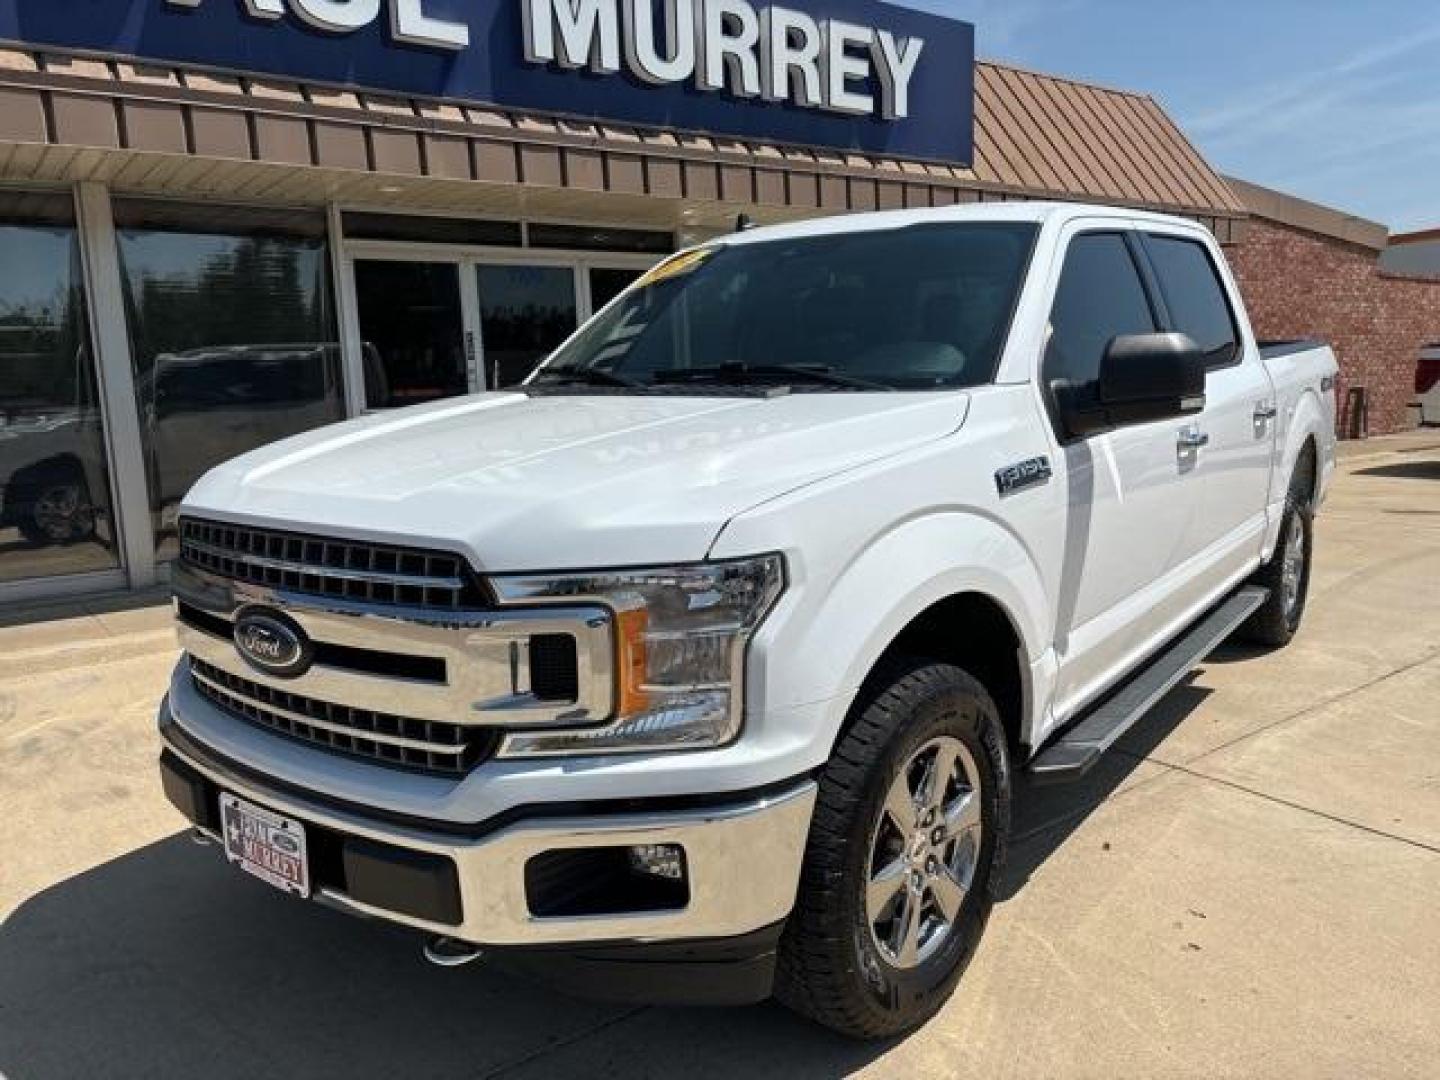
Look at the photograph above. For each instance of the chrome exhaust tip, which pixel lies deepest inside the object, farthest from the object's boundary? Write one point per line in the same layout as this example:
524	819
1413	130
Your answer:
448	952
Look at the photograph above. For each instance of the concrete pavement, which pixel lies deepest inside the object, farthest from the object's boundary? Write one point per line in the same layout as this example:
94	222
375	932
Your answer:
1247	888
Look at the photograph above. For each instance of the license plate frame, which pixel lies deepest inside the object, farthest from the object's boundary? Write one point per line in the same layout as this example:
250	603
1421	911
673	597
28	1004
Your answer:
266	845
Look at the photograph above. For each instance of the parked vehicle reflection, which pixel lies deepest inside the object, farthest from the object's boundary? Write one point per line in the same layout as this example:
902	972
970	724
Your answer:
54	488
201	407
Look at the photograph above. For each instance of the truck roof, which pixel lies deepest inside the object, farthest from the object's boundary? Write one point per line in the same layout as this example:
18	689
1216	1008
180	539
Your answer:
1039	212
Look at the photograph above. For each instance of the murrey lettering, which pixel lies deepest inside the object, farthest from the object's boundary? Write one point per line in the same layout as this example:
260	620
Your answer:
772	53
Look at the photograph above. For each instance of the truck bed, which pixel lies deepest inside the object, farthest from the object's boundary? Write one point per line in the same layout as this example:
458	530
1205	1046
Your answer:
1274	350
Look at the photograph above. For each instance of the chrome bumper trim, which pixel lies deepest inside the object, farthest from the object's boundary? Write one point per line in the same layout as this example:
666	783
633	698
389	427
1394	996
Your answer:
744	862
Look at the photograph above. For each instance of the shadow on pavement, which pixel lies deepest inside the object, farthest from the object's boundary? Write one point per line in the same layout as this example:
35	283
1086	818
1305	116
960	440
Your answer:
42	611
166	963
1405	470
1046	816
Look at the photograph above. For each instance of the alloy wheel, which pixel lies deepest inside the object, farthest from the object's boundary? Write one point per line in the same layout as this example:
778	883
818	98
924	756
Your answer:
1292	570
923	854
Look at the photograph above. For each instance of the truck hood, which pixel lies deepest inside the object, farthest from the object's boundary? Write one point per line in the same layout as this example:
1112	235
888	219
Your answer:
560	482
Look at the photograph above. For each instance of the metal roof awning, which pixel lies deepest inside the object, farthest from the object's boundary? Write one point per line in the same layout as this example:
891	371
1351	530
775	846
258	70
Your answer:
168	130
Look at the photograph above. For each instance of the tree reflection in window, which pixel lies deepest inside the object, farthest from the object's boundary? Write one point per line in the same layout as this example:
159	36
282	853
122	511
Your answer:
233	341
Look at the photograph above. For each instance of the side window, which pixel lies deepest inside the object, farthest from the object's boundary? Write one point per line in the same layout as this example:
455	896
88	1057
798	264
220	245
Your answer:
1100	296
1195	296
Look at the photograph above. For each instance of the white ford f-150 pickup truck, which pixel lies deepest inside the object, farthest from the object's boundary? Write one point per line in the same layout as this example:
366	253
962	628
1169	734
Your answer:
701	667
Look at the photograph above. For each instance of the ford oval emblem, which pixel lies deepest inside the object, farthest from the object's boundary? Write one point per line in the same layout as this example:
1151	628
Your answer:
273	643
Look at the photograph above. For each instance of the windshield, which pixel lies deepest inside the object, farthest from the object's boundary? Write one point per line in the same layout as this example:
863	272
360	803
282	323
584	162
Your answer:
917	308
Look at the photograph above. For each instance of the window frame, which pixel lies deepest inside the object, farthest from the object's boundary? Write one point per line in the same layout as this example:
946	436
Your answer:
1145	236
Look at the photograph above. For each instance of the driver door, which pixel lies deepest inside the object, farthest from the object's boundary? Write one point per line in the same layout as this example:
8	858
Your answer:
1131	494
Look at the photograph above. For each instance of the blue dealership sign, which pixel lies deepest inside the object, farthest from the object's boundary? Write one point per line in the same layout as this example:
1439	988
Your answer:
842	74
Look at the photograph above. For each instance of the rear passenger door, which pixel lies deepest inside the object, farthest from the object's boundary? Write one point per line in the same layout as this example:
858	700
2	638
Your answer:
1238	424
1131	500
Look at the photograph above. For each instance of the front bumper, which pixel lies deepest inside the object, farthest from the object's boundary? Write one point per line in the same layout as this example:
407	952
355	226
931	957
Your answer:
742	858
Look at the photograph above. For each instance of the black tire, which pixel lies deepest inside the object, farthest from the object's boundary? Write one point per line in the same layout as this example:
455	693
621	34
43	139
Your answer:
56	508
1275	622
831	968
59	513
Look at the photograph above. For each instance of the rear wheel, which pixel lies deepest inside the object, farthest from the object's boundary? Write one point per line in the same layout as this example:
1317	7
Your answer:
1287	576
909	832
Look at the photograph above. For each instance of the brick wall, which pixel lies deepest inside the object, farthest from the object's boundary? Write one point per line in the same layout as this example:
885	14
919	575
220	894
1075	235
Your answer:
1302	284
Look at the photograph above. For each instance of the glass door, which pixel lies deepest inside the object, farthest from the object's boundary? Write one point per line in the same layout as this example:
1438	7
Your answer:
415	341
608	282
526	311
429	321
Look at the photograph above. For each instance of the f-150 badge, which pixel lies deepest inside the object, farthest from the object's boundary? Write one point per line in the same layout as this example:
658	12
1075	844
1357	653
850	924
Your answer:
1022	475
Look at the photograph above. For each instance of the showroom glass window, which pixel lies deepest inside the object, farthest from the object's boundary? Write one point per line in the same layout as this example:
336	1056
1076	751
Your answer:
232	333
55	510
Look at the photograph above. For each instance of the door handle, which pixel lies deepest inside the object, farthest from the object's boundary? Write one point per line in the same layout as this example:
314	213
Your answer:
1191	439
1265	410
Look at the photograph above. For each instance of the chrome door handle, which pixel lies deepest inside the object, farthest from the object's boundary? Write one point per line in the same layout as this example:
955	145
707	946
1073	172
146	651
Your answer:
1265	410
1191	439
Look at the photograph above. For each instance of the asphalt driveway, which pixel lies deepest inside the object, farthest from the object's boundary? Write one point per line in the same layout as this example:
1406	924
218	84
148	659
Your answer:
1248	888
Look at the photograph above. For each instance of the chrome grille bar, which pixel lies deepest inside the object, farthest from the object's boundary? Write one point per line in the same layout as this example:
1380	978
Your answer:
411	662
487	682
325	725
394	740
373	573
287	566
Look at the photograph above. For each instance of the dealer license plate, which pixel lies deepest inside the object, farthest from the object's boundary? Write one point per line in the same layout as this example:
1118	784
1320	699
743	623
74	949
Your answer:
266	844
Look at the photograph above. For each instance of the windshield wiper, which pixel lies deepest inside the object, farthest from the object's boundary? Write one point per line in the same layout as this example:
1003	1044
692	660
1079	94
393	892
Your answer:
742	373
585	377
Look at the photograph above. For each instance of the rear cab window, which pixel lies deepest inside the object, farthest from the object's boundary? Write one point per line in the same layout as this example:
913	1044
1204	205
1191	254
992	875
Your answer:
1195	296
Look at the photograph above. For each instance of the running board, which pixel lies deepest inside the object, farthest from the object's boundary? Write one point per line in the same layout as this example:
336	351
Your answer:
1071	755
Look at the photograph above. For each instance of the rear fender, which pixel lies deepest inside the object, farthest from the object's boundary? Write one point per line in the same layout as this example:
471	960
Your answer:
1307	421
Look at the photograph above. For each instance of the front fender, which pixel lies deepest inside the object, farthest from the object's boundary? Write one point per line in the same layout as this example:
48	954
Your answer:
843	617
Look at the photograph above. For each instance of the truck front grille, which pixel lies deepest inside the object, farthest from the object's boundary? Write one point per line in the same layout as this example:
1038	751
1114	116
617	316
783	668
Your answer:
382	574
403	742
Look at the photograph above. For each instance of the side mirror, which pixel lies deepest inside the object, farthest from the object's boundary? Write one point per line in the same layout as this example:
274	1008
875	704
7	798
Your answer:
1143	378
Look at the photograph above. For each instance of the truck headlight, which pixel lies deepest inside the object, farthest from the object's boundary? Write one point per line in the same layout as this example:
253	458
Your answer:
681	634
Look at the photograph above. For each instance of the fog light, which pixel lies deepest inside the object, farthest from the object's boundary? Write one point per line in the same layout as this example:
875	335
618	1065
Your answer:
658	860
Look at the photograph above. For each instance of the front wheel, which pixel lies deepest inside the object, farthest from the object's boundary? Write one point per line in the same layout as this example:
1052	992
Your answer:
909	833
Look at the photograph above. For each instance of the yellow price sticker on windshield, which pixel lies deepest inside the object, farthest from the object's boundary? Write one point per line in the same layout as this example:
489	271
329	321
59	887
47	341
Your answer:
684	263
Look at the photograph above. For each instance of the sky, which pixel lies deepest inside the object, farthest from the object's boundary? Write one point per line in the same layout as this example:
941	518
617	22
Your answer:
1337	101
